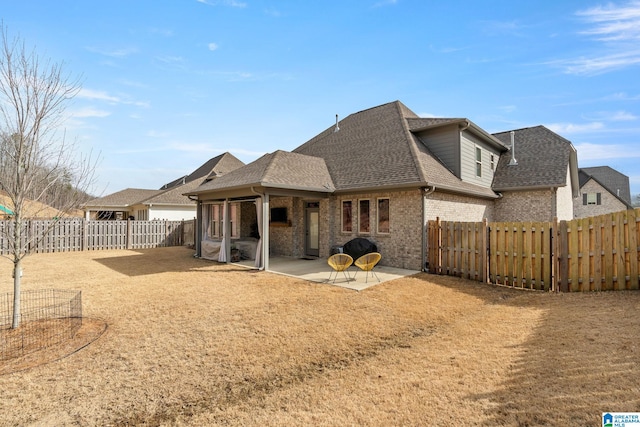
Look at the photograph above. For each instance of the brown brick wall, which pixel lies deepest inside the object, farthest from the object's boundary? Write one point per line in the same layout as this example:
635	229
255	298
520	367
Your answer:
532	205
451	207
401	247
281	236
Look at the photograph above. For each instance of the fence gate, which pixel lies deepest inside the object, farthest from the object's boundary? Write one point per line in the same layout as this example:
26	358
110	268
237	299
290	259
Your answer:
521	254
457	249
506	253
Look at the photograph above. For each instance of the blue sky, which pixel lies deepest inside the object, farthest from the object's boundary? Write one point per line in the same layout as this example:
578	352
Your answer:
167	85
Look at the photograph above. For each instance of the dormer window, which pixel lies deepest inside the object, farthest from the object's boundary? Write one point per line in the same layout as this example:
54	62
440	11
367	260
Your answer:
591	199
478	162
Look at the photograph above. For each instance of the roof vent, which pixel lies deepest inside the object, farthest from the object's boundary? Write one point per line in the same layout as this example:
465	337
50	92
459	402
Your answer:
513	160
337	127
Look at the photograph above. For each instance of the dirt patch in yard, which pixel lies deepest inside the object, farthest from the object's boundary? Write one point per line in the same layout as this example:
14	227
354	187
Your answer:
193	342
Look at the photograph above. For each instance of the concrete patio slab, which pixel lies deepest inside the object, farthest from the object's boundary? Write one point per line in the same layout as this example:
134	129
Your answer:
317	270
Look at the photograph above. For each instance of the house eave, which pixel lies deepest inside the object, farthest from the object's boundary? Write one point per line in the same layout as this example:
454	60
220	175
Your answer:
262	188
468	125
528	188
416	186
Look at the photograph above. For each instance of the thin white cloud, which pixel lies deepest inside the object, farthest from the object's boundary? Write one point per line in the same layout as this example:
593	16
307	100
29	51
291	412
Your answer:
619	116
202	148
508	108
212	46
161	31
230	3
599	64
588	151
98	95
168	59
272	12
385	3
611	116
89	112
622	96
613	22
447	50
157	134
617	27
570	128
114	53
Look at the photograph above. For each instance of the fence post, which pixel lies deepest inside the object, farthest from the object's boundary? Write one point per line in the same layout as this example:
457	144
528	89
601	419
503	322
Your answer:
128	242
484	249
553	235
562	276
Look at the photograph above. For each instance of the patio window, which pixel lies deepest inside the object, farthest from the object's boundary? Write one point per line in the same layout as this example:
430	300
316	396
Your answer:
214	220
364	212
214	229
383	215
347	216
233	219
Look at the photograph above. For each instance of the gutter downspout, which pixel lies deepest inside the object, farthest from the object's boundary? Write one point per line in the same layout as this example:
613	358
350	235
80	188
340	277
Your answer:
426	191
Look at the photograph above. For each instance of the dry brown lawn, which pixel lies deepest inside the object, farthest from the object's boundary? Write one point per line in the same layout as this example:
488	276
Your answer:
191	342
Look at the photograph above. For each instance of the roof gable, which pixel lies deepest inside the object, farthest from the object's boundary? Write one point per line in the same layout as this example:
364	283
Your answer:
279	169
613	181
543	158
216	166
371	149
123	198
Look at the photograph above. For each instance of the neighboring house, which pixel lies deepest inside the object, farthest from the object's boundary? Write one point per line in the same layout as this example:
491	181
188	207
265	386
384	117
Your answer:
538	179
603	190
168	203
382	173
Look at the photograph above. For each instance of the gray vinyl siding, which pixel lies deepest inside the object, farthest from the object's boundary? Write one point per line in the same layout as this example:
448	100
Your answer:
443	142
468	144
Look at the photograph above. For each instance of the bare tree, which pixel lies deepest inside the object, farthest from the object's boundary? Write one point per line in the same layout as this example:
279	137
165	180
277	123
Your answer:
36	162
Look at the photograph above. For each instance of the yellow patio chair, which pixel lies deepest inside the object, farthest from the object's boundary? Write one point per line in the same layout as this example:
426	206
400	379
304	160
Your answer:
366	263
339	262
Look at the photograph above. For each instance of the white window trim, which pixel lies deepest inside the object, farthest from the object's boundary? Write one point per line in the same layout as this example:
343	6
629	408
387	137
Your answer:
378	215
353	223
359	213
478	162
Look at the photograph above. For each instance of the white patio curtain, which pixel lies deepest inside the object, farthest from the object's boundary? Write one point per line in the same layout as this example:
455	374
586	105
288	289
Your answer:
222	257
206	220
258	263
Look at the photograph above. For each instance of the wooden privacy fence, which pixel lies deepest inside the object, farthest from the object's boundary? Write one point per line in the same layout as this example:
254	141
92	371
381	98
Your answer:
67	235
586	254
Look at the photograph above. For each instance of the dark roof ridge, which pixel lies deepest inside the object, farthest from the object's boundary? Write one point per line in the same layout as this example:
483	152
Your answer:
410	141
533	127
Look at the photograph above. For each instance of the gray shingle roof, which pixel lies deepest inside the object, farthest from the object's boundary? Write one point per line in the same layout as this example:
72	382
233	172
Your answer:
174	195
615	182
215	166
279	169
123	198
543	158
424	123
375	148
